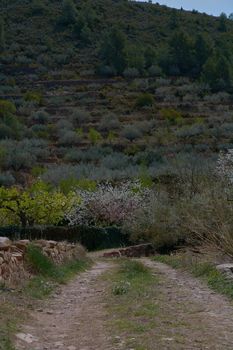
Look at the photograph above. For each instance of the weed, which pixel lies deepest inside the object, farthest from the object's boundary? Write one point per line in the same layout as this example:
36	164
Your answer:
121	288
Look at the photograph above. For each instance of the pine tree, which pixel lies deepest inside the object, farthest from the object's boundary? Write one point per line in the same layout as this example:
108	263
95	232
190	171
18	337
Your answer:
113	50
69	13
217	73
222	23
2	35
203	49
182	52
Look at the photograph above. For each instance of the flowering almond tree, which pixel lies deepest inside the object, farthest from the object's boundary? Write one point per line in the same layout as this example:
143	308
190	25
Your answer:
108	205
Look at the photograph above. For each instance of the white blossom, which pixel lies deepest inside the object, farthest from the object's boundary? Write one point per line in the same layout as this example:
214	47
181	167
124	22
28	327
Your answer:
108	205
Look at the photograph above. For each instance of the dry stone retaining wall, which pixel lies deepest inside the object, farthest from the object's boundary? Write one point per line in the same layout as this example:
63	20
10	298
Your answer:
13	267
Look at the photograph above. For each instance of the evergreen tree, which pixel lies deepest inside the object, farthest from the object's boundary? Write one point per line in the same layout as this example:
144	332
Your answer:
86	34
69	12
217	73
113	50
2	35
182	53
150	56
222	23
203	49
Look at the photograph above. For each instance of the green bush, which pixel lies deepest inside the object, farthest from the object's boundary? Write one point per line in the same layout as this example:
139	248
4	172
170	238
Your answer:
144	100
38	262
7	108
33	96
171	116
94	136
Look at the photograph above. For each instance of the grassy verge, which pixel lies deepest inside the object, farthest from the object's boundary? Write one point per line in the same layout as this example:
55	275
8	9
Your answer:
47	274
133	303
15	304
204	270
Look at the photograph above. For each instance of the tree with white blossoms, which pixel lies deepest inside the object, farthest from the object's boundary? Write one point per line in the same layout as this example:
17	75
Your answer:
108	204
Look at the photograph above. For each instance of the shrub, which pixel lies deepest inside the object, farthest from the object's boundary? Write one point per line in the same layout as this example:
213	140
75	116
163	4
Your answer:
63	124
33	96
131	73
40	117
131	132
6	179
155	71
115	161
71	184
6	132
79	117
109	122
171	115
69	138
190	131
94	136
7	108
156	222
144	100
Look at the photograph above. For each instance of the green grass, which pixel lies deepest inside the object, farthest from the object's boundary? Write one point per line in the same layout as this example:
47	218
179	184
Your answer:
204	270
132	300
9	317
49	275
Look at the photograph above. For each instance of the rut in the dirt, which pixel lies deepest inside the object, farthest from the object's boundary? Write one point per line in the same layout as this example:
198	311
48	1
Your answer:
73	319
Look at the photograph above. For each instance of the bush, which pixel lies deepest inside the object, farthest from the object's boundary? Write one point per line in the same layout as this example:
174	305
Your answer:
94	136
33	96
131	73
79	117
40	117
109	122
171	116
7	108
155	71
69	138
131	132
156	222
144	100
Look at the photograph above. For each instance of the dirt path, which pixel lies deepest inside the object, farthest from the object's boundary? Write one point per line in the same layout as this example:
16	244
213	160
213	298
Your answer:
73	319
197	318
191	316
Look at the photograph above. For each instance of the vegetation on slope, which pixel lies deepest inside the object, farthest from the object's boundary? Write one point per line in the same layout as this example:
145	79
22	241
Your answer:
110	91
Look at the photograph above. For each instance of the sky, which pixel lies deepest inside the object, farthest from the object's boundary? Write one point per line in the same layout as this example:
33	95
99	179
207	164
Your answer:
212	7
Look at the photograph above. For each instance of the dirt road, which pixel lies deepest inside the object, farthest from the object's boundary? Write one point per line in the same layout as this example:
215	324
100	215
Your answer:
191	317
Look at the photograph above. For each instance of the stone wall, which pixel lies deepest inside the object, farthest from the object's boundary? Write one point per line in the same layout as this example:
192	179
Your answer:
135	251
13	267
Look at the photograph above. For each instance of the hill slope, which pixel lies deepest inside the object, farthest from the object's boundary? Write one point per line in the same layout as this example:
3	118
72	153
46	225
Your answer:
71	109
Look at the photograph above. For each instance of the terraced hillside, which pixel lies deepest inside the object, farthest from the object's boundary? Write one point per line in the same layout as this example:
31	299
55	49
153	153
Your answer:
65	113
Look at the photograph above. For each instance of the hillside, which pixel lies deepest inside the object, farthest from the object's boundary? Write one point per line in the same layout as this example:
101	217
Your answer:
72	108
